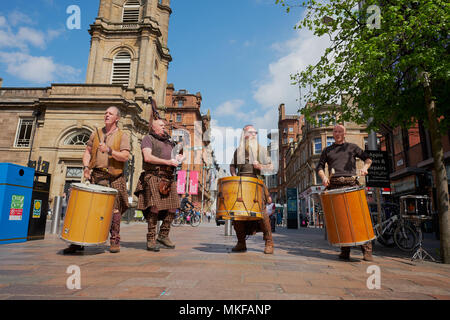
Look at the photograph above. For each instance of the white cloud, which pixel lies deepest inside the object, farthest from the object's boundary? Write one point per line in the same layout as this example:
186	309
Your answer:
16	17
32	36
38	70
2	22
230	108
276	88
303	50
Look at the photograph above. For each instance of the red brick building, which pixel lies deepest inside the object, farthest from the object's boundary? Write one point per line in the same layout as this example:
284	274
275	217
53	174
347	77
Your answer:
289	128
182	112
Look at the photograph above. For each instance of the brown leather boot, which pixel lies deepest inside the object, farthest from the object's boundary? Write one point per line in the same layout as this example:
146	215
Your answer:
269	247
166	242
345	253
239	228
114	248
367	251
152	246
267	234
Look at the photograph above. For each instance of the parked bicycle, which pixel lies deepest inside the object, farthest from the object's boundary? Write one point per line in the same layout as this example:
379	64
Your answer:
187	217
397	231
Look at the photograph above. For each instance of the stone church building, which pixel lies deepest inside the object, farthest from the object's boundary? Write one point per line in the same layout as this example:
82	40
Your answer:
128	64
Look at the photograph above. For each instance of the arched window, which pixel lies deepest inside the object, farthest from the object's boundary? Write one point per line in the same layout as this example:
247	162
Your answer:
131	11
78	138
121	68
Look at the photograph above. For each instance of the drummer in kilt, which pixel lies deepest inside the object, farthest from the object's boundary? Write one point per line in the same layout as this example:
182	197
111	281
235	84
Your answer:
249	160
341	159
106	152
156	189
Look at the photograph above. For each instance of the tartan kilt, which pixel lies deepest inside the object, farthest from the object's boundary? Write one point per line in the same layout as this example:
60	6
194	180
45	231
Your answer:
118	183
147	191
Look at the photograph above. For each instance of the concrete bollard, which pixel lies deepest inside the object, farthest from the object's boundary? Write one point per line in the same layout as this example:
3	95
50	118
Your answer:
228	228
56	218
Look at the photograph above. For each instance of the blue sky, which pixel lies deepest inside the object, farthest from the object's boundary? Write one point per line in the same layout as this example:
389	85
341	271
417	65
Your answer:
237	53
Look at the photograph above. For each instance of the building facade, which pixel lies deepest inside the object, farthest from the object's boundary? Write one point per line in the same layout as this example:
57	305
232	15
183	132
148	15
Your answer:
289	129
128	63
187	125
412	163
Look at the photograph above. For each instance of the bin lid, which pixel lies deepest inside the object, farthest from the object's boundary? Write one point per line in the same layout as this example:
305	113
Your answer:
17	175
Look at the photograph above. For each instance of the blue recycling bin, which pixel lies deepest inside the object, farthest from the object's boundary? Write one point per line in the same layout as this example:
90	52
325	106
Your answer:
16	188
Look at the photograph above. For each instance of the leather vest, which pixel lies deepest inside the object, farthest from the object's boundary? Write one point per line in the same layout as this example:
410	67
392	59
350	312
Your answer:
115	167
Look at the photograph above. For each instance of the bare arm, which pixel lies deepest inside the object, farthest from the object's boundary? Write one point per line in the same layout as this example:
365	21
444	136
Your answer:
324	178
150	158
367	164
86	161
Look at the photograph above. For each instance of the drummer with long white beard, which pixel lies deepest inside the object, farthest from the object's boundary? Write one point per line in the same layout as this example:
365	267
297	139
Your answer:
250	160
341	159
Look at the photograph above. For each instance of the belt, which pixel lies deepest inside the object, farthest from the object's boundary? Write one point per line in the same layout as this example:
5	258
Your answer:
101	169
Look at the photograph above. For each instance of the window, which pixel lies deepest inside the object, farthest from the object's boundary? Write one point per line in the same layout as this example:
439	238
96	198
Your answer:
79	138
318	179
291	129
131	12
179	118
180	103
23	135
74	172
121	68
291	140
180	135
317	145
330	141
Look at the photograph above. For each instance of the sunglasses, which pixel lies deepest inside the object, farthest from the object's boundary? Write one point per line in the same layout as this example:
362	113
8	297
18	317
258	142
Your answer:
252	132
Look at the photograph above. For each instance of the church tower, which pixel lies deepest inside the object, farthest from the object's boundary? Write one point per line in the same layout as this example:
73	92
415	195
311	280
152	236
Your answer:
129	47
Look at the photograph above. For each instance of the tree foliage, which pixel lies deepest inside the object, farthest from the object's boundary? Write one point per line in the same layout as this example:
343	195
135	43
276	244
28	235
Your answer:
380	67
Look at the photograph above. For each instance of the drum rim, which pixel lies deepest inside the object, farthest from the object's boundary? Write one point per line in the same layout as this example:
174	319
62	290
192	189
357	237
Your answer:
352	244
343	190
85	187
84	244
240	211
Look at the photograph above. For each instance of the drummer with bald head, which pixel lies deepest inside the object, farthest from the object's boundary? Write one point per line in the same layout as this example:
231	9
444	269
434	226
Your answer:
341	159
104	158
249	160
157	189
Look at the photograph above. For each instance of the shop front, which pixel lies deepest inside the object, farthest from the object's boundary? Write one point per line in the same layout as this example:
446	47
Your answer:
310	206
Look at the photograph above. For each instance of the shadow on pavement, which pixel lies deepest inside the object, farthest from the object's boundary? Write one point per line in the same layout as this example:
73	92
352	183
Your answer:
310	242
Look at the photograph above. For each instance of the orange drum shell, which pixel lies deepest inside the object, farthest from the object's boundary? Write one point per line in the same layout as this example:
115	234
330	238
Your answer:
88	217
347	217
228	208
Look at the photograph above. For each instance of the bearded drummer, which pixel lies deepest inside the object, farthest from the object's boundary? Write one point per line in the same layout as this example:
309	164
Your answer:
106	152
341	159
249	160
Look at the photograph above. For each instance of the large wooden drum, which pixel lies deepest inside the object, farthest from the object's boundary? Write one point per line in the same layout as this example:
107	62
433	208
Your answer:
88	215
240	198
347	216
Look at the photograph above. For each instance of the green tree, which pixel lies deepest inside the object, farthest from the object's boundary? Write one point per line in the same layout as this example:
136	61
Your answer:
392	59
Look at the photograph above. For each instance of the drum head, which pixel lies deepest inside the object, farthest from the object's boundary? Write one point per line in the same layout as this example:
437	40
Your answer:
95	188
343	190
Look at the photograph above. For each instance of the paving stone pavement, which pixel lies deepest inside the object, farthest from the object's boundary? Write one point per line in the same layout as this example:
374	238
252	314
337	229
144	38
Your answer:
202	267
